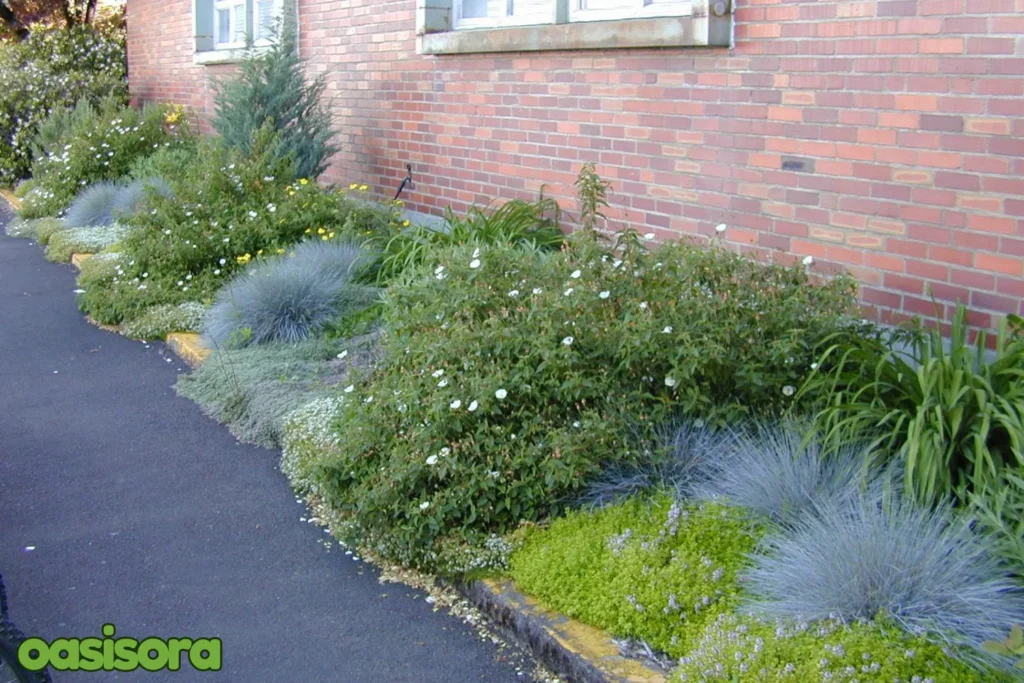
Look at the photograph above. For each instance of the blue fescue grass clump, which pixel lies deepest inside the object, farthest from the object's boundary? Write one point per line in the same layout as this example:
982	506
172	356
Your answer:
289	298
678	463
779	470
875	555
94	206
130	197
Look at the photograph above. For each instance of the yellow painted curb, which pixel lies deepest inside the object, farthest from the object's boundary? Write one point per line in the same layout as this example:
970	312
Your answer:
11	199
590	644
78	259
189	346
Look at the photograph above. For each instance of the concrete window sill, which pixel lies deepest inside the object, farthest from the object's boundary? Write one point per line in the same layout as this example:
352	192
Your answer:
232	56
689	31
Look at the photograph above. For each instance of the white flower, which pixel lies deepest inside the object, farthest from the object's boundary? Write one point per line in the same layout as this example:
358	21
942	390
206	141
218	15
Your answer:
568	341
438	270
576	274
568	291
537	290
643	305
180	283
671	382
667	330
253	214
455	405
616	263
432	460
475	263
814	366
437	373
473	406
350	388
514	293
605	294
720	227
443	383
217	271
342	354
500	394
271	208
145	275
223	261
476	252
445	452
649	236
369	399
424	505
788	390
808	260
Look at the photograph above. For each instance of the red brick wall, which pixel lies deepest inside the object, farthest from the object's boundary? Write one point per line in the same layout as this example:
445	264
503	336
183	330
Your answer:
911	112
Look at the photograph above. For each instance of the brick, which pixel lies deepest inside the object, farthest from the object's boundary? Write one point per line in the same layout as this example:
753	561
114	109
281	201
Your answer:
953	124
999	264
946	46
1005	226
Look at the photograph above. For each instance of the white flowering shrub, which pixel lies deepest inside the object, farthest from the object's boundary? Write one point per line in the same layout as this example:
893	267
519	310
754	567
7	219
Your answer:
52	70
105	148
511	377
307	432
228	210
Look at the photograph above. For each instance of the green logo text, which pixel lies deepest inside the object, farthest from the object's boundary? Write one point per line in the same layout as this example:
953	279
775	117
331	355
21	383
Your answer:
120	654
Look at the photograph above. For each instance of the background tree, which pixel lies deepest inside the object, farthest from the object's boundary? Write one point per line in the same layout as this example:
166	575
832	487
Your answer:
17	15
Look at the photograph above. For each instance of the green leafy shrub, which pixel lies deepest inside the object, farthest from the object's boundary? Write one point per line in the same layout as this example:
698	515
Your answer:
952	416
290	298
159	321
63	243
653	570
227	211
104	150
522	367
38	229
167	162
50	71
1011	646
251	390
735	649
271	88
531	224
998	508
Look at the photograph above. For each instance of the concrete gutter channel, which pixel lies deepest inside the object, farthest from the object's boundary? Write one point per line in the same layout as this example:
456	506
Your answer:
572	650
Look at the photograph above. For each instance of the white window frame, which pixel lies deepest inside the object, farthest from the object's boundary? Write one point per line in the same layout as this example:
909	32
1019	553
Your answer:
230	6
631	9
462	24
205	24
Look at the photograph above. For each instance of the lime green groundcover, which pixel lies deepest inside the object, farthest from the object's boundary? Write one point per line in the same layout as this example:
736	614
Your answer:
663	572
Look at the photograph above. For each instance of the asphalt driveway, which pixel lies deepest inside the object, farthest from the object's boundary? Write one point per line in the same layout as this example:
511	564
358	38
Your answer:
121	503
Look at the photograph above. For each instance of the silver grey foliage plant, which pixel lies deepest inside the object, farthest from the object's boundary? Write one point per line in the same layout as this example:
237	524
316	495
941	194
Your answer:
779	470
289	298
94	206
871	555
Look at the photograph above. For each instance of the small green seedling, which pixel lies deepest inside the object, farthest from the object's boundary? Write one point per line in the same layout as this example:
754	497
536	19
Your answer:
1010	647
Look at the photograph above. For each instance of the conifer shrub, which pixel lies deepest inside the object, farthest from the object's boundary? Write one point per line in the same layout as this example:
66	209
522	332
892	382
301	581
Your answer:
272	88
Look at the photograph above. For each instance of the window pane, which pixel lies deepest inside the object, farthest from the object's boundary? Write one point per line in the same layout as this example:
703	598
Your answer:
264	18
239	23
223	26
474	9
611	4
541	10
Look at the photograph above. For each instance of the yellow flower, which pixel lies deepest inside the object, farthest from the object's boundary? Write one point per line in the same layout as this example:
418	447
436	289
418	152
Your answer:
330	234
309	230
325	238
405	224
291	193
280	251
320	231
303	181
364	188
244	258
353	186
259	253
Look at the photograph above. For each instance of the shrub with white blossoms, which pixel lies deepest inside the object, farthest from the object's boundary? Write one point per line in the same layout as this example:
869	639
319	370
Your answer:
556	379
105	147
52	69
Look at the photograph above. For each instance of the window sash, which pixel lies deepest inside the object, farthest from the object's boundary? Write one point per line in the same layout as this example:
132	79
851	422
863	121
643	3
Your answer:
230	33
605	10
506	13
265	14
